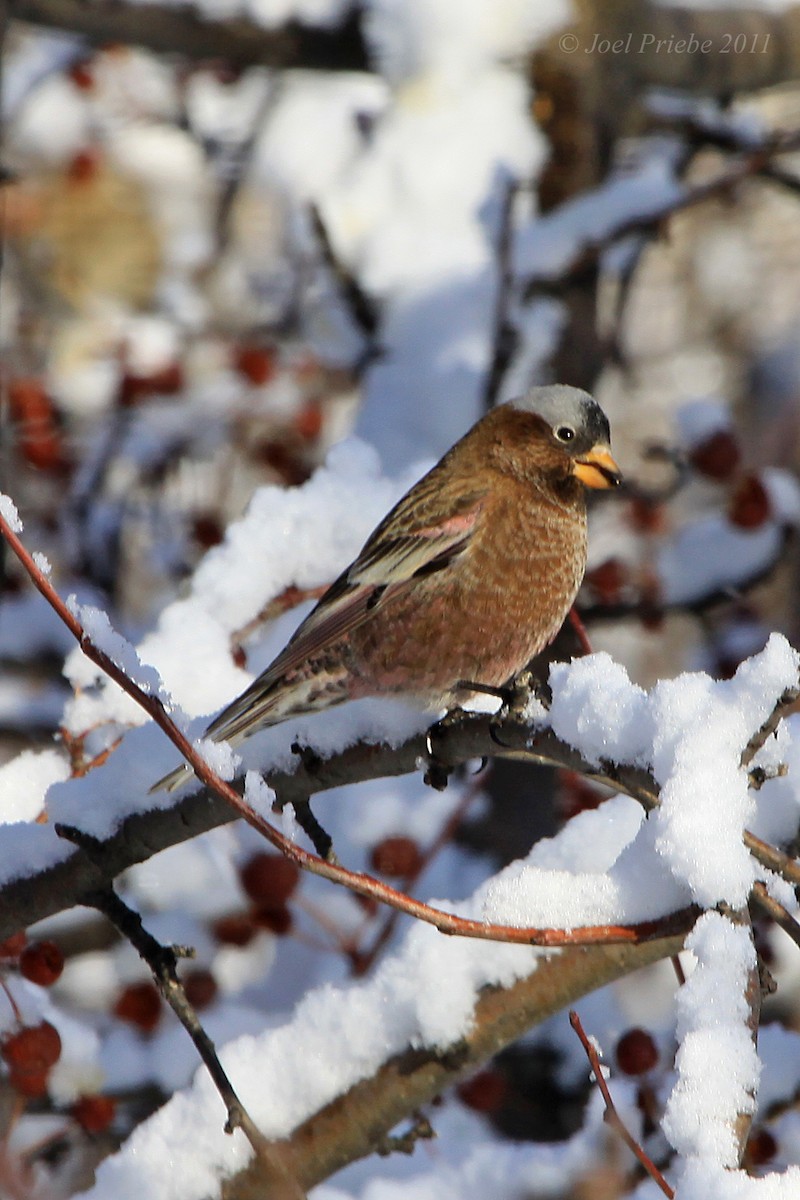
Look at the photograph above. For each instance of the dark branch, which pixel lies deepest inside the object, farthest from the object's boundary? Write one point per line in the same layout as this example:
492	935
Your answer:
183	31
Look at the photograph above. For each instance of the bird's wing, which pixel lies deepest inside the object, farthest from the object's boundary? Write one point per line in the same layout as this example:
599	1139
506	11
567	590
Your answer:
394	555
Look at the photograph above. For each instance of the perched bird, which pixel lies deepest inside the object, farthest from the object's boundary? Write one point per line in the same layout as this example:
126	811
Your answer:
468	577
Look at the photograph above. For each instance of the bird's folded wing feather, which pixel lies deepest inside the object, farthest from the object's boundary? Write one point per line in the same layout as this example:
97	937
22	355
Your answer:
395	555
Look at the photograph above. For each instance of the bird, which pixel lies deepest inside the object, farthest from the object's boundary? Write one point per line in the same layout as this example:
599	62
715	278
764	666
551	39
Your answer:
467	578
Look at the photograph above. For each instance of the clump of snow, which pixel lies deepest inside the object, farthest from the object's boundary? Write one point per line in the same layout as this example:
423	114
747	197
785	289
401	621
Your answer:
702	728
8	511
600	870
597	709
421	36
24	782
717	1064
53	123
42	562
220	757
691	731
151	343
711	554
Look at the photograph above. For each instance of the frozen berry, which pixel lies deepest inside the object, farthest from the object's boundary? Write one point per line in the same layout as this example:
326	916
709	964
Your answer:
308	422
607	580
276	920
81	75
749	505
237	929
397	857
761	1147
636	1052
647	516
258	364
83	166
200	987
484	1092
41	962
139	1004
94	1113
32	1050
717	456
269	879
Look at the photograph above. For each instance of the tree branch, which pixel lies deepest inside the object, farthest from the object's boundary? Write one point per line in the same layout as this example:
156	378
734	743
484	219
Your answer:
352	1125
179	30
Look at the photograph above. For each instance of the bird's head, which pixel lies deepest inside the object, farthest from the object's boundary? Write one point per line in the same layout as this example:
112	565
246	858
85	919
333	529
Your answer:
574	428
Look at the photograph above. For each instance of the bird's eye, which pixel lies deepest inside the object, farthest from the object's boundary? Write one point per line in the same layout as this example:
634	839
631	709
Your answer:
565	433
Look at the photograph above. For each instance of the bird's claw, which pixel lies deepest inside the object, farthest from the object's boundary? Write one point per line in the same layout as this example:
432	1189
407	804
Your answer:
438	771
309	758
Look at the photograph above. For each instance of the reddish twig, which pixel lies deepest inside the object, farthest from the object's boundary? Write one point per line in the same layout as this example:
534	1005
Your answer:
580	630
363	959
677	967
612	1116
364	885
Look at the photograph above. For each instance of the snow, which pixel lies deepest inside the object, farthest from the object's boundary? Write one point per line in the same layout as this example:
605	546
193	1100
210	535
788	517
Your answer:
691	731
24	782
8	511
710	554
717	1064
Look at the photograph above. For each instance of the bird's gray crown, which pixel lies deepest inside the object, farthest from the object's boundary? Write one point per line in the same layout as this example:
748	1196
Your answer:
560	405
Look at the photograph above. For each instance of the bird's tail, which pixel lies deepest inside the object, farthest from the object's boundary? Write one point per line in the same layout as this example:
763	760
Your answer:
261	705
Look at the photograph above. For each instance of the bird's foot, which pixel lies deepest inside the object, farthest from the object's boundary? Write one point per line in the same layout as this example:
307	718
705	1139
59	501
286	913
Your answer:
320	839
438	771
514	695
309	758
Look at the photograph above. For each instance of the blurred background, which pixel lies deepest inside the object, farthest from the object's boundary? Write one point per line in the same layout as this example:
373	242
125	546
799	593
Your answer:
238	233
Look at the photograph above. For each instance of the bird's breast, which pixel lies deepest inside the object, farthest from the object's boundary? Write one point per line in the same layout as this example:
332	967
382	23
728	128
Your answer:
489	612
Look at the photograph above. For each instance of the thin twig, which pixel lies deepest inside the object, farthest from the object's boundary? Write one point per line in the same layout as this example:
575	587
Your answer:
612	1116
162	961
773	908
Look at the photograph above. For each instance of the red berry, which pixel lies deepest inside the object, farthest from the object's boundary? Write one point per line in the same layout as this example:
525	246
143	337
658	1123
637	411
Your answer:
276	920
13	946
42	963
207	530
258	364
636	1052
235	930
81	75
397	857
308	422
717	456
31	1084
133	388
269	879
32	1049
94	1113
607	580
200	987
84	166
761	1147
647	516
484	1092
139	1004
749	506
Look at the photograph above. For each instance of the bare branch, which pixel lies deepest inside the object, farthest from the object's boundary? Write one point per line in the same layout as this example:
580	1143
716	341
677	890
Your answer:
179	30
612	1116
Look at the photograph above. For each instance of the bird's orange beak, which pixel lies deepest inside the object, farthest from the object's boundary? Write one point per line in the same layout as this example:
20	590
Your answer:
597	469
